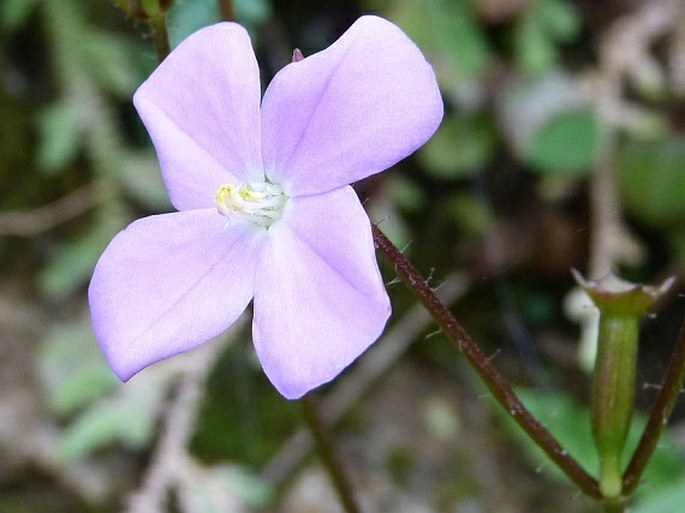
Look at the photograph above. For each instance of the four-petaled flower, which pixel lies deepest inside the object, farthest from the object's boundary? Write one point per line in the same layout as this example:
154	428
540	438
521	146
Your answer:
265	210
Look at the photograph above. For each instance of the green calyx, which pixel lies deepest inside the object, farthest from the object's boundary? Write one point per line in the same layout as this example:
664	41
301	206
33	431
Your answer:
611	294
613	395
621	304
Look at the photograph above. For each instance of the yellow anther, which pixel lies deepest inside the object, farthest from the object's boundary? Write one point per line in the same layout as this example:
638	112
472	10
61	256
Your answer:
261	203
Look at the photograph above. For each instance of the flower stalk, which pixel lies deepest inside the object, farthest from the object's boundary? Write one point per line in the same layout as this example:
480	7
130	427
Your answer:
497	385
226	11
328	453
613	395
621	305
160	37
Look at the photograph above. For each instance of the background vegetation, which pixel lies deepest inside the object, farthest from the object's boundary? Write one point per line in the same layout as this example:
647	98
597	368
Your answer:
562	146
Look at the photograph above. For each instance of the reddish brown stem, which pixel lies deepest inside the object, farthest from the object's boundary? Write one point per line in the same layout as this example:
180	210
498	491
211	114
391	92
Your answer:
327	450
226	10
663	406
497	385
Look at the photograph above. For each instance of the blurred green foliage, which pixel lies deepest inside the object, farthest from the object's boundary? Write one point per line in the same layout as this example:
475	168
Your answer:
652	180
569	422
187	16
520	122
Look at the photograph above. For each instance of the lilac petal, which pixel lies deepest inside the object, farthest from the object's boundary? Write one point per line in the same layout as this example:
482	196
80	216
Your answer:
350	111
319	299
201	108
168	283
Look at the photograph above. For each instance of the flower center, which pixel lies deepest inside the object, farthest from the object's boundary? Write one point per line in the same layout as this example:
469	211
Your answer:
260	203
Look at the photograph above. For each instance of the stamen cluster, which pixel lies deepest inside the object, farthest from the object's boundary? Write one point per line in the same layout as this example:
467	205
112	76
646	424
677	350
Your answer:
260	203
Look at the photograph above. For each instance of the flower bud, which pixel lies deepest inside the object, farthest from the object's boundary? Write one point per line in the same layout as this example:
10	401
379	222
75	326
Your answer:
621	304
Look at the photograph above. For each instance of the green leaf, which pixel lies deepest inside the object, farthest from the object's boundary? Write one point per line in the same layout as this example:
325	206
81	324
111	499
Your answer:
140	174
665	500
73	263
533	50
652	179
545	24
460	147
72	368
560	18
129	416
566	143
447	30
470	213
243	418
404	193
252	12
14	14
188	16
106	422
110	60
59	133
569	422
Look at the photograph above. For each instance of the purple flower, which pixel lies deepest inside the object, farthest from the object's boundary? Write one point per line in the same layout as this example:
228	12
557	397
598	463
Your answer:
265	210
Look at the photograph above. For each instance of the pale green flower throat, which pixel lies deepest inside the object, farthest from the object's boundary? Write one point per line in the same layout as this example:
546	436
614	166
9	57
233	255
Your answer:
261	203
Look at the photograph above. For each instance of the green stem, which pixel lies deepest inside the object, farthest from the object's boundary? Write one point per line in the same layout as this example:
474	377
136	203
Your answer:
614	506
160	37
328	453
497	385
663	406
613	394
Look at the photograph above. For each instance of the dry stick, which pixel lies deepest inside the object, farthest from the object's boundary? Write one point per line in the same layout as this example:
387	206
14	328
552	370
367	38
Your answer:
171	456
497	385
663	406
41	219
328	452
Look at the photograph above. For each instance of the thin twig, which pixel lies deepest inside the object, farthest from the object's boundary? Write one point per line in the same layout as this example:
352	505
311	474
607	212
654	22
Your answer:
171	460
226	10
160	37
41	219
329	454
497	385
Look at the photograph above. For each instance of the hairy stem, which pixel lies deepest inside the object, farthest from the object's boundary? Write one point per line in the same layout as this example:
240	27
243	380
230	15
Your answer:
497	385
328	452
663	406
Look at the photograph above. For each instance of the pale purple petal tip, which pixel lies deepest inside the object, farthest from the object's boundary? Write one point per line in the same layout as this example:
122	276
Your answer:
201	108
349	111
320	300
168	283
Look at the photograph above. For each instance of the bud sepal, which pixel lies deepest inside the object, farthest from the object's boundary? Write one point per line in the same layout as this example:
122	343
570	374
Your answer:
621	304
